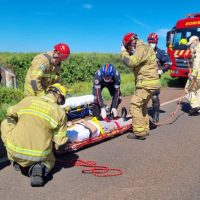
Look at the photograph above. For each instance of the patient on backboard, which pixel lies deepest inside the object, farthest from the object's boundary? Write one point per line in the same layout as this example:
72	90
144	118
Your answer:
85	129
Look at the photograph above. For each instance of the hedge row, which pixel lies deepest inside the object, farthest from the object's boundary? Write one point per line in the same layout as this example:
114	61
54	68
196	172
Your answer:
80	67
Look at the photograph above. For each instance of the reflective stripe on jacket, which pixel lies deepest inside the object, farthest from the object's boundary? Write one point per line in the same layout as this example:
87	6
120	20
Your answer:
40	121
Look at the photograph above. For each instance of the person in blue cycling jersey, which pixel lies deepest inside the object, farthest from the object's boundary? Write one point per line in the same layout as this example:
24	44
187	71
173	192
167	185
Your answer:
106	77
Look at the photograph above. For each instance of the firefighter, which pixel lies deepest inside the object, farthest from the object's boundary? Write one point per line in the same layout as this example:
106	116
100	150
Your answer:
141	59
106	77
32	128
164	63
192	87
44	70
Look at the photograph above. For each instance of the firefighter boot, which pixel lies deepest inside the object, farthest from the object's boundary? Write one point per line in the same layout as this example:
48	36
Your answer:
194	111
124	114
155	117
37	175
133	136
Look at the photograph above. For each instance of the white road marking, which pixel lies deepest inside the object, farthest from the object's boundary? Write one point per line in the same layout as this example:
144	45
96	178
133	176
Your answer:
171	101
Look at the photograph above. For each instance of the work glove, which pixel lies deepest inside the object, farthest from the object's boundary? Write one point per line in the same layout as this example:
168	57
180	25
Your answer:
103	113
123	48
114	112
160	71
191	77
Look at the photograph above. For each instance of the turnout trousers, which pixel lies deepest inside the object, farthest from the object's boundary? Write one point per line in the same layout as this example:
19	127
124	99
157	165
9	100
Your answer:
138	111
192	90
7	126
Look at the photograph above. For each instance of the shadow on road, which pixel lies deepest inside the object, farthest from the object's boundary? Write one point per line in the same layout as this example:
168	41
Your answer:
67	160
4	164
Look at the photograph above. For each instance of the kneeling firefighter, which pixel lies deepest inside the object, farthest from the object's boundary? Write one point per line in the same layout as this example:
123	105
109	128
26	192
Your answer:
32	128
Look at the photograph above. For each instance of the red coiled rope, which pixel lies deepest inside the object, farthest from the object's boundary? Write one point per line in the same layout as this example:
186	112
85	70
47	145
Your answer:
92	168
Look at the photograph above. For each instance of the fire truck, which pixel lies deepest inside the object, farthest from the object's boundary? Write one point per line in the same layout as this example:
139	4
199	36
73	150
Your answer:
177	48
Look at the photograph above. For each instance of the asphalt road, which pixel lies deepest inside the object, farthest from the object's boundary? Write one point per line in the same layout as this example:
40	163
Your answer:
166	166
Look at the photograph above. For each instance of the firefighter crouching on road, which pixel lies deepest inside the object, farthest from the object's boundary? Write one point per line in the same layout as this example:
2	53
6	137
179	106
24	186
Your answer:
106	77
31	129
164	63
44	70
141	58
192	87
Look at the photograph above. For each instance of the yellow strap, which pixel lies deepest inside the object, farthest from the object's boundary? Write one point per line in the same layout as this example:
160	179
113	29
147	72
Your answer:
67	109
96	121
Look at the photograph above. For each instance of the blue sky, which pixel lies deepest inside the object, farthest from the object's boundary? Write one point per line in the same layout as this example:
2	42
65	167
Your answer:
87	25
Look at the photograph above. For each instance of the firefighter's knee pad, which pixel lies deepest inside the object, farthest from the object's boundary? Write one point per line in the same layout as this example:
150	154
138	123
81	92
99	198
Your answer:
155	98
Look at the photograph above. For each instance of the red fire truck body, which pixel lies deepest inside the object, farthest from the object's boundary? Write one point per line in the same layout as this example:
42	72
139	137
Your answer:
177	47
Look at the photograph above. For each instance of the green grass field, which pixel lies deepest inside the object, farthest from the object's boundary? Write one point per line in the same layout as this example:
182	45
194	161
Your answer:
9	96
127	85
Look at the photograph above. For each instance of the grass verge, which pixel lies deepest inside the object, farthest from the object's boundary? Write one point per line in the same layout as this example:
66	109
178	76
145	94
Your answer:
9	96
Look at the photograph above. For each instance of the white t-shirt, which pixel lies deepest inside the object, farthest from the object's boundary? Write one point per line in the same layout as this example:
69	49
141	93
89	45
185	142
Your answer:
79	132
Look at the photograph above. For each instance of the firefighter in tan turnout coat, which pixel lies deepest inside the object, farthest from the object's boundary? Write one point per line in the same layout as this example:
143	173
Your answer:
192	87
44	70
141	59
31	129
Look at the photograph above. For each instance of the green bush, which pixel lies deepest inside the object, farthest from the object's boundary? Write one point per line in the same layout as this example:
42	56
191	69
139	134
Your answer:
82	67
8	97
